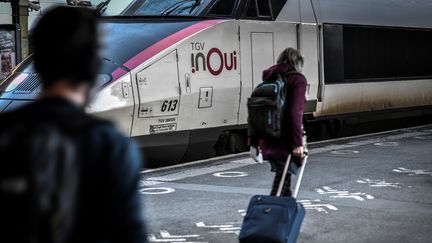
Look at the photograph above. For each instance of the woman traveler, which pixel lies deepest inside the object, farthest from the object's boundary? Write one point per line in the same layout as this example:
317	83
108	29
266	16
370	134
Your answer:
289	66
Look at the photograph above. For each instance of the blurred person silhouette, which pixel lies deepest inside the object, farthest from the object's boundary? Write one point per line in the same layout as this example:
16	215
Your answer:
293	141
66	176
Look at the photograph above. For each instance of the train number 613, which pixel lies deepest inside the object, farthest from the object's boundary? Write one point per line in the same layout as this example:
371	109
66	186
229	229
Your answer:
169	105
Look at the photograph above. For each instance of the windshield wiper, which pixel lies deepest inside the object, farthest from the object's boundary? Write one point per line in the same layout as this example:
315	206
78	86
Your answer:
196	4
102	6
117	64
175	6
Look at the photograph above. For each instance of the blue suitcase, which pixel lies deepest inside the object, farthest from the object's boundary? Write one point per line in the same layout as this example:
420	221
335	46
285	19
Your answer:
274	219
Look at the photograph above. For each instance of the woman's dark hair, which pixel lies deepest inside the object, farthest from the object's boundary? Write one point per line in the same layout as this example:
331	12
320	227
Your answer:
66	45
292	57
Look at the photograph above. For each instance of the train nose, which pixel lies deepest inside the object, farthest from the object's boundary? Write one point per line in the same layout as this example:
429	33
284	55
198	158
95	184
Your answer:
10	105
4	104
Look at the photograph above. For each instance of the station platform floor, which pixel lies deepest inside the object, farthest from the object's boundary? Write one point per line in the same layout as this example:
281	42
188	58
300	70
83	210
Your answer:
373	188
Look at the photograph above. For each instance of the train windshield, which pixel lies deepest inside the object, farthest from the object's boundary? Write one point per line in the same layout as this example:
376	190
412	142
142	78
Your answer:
103	78
166	7
111	8
25	73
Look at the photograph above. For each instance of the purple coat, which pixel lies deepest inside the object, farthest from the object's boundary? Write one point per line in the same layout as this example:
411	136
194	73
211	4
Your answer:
296	98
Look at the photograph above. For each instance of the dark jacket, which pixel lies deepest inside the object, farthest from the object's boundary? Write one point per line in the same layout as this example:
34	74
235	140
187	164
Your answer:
109	206
296	98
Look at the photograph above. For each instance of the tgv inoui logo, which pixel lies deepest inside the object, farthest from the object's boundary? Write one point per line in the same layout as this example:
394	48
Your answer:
213	60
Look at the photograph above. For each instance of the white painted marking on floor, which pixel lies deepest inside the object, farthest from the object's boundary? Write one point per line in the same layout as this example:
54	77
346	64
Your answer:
344	194
156	191
230	229
202	225
166	234
230	174
167	237
237	232
222	229
378	183
345	152
317	205
412	172
152	238
387	144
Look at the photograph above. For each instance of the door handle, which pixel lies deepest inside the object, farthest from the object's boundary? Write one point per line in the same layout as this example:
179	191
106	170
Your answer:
187	83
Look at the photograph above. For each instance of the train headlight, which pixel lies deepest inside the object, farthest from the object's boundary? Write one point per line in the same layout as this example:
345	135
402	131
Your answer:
113	96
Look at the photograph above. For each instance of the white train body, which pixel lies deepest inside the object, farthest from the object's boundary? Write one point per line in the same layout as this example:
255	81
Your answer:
189	89
211	90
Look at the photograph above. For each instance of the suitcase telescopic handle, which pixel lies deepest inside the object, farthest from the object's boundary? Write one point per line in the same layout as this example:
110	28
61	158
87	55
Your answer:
299	177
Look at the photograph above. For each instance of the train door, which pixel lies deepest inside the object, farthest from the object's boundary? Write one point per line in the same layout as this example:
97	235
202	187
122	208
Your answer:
210	79
260	44
158	93
158	109
263	56
309	47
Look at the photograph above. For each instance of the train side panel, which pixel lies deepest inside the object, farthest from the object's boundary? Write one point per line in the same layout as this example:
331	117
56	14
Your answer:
193	84
379	96
260	44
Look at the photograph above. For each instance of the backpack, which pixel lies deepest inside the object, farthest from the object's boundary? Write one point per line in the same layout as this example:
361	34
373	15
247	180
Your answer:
39	177
266	109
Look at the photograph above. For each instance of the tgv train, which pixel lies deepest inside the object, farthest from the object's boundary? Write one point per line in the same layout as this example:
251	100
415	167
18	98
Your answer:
177	74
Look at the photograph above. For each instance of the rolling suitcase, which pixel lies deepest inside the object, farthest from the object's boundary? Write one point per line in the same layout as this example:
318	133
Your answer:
274	219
